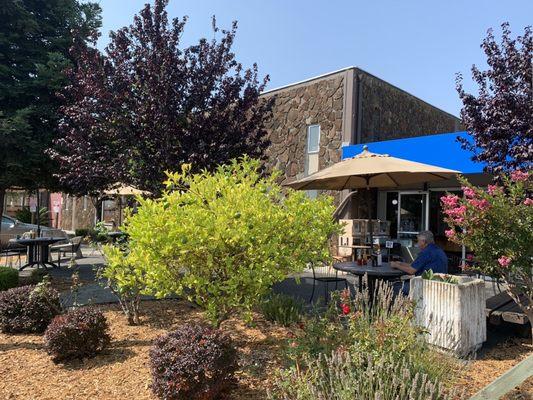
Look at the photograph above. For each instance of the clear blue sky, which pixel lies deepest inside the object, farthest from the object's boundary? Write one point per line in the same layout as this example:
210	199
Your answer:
417	45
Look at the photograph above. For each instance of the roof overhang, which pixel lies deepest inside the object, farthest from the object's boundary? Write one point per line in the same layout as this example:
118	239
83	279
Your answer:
442	150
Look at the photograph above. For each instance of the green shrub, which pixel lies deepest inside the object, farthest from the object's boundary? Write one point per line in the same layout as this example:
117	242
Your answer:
282	309
346	376
9	278
80	333
83	232
125	280
194	362
28	309
222	239
25	215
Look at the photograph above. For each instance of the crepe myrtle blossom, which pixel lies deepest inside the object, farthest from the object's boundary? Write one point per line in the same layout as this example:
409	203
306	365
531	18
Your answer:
468	192
482	204
450	233
493	189
518	176
456	212
450	200
504	261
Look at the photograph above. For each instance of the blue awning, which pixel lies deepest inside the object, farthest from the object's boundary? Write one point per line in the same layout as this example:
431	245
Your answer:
442	150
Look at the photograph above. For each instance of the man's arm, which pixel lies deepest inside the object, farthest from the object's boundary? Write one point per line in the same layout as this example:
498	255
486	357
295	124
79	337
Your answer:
403	266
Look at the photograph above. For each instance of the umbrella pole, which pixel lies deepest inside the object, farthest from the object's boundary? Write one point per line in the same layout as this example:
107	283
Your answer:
369	208
38	216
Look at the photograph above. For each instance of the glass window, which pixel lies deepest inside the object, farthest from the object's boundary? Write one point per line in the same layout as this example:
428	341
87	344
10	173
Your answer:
313	139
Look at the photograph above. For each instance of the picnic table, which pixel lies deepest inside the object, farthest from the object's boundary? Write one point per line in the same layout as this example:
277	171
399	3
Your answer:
384	272
38	251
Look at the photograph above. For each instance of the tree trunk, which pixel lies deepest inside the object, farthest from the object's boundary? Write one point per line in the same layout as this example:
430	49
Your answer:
2	197
526	306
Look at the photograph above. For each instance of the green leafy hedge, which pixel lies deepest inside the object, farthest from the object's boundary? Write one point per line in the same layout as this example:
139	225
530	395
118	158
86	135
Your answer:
222	239
9	278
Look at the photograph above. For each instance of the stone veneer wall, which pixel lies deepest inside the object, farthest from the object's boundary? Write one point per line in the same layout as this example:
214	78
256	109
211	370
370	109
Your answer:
294	109
391	113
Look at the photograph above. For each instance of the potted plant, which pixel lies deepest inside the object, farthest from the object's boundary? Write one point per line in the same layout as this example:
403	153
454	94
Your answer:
452	310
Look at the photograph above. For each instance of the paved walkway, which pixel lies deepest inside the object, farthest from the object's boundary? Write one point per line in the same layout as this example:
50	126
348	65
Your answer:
91	292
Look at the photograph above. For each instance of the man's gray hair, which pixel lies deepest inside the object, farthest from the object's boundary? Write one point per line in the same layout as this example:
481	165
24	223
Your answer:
427	236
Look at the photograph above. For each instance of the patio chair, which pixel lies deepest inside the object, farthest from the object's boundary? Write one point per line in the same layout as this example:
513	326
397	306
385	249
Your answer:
409	254
9	251
326	275
72	247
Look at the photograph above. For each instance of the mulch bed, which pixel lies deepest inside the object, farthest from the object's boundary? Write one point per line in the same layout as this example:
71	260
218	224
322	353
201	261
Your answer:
122	371
491	364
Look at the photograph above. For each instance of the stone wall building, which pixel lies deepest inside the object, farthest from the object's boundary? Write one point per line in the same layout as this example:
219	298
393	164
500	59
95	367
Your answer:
311	121
344	107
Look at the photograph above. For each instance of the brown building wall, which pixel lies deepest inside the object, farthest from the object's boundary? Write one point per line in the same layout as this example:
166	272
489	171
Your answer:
388	112
77	213
351	106
294	109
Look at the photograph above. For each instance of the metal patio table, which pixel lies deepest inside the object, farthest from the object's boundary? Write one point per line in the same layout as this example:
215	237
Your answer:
38	251
384	272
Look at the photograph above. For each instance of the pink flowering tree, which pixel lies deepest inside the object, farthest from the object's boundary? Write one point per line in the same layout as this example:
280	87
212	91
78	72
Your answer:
497	225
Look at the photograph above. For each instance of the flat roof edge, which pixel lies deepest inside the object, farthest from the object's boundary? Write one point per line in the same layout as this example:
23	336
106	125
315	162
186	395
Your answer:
307	80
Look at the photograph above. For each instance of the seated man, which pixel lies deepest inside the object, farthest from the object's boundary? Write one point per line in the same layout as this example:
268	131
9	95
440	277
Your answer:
431	257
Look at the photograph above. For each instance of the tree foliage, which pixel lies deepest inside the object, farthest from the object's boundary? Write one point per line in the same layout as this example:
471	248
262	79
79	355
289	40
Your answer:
496	225
147	105
35	37
224	238
500	117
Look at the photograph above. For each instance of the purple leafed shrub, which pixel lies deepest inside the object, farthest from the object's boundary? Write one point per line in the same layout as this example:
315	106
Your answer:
78	334
28	309
194	362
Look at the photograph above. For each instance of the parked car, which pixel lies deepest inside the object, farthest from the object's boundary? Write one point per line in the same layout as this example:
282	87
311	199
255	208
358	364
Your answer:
11	228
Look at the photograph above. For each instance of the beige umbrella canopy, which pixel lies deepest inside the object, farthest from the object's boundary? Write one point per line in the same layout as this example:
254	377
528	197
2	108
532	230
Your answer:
124	190
371	170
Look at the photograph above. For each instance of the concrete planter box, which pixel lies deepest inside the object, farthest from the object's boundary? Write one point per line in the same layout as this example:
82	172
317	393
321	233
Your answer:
453	314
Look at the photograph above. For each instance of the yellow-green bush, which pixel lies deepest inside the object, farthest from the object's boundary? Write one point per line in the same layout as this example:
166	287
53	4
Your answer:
223	238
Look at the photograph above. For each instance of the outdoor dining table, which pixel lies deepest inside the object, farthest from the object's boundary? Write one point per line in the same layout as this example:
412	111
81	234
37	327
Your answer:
384	272
38	251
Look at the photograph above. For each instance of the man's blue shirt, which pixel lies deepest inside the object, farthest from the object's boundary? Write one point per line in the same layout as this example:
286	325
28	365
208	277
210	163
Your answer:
433	258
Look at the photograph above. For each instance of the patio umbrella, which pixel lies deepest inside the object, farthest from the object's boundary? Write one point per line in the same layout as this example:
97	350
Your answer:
371	170
124	190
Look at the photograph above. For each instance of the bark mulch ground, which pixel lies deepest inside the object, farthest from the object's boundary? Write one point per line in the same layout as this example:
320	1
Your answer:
491	364
122	371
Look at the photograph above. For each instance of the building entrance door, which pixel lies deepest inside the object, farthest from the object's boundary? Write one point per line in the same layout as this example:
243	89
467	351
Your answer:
412	215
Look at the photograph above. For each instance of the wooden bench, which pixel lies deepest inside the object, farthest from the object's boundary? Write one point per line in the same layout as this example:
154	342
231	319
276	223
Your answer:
502	308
